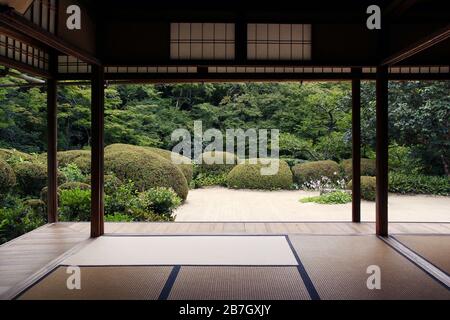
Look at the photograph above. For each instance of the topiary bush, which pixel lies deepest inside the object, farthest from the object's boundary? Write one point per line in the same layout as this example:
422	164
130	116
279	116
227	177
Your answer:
227	162
83	163
146	170
31	177
368	187
308	172
248	176
368	167
182	162
67	157
14	156
7	177
37	206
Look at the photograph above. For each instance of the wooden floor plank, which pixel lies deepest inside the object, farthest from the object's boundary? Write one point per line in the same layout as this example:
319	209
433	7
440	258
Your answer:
22	257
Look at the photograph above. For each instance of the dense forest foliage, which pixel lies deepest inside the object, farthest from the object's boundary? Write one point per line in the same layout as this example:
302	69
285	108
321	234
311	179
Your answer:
314	119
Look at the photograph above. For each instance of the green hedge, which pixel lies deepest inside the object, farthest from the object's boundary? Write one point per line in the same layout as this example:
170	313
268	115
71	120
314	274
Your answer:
14	155
67	157
248	176
186	168
315	170
208	166
368	187
186	165
418	184
368	168
7	177
147	170
31	177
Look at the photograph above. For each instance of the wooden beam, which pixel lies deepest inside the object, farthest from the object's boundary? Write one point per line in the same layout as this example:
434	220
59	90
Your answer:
356	145
19	24
97	152
52	137
382	141
23	67
419	46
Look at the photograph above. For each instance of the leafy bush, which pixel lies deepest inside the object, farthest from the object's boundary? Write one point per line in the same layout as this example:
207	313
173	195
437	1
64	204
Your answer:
368	187
37	206
18	219
227	162
7	177
72	173
31	177
111	182
402	159
122	200
205	180
292	162
83	163
75	205
418	184
185	163
67	157
146	170
160	200
248	176
312	171
64	186
118	217
337	197
13	156
368	167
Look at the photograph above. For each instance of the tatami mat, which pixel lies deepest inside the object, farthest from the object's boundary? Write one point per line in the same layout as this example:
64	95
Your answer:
434	248
337	266
185	250
238	283
102	283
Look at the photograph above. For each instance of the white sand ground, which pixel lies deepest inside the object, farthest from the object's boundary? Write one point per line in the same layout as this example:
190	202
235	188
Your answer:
222	204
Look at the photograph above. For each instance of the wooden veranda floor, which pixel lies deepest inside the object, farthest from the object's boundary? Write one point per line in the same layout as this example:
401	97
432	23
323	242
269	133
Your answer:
34	254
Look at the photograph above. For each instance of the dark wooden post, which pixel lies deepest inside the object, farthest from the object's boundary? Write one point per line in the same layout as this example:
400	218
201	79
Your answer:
382	151
52	137
356	145
97	146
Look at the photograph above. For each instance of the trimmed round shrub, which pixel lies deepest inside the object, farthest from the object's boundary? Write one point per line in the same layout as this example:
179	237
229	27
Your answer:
31	177
186	168
227	161
13	154
67	157
83	163
147	170
185	163
37	206
119	147
368	187
314	171
368	167
74	186
248	176
7	177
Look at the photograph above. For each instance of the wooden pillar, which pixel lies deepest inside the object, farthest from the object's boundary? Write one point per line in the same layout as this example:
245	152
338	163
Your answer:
97	146
356	145
382	141
52	164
